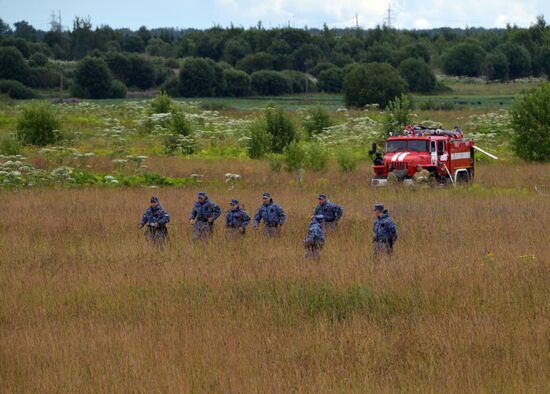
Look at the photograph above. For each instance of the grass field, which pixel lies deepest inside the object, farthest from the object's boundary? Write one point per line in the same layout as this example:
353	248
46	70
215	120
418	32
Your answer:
464	305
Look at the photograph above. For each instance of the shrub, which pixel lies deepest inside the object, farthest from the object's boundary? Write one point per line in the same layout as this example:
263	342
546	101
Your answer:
10	145
171	86
346	159
118	89
93	79
161	104
519	60
259	142
142	73
397	116
495	66
43	78
38	125
38	59
531	124
270	83
372	83
16	90
179	123
331	79
279	125
237	83
120	65
317	118
418	75
200	77
294	157
298	81
317	157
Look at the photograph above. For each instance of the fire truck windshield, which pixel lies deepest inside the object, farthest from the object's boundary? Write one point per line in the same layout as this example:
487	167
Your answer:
407	146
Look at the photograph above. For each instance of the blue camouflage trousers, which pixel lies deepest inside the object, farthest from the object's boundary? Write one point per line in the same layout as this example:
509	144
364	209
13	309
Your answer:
202	231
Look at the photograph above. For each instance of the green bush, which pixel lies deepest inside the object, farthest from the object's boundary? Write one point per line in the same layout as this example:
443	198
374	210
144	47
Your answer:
418	74
179	123
237	83
259	142
295	157
372	83
16	90
171	86
317	157
495	66
317	118
43	78
279	125
397	116
200	77
531	123
38	59
347	160
93	79
38	125
331	79
270	83
13	65
10	145
161	104
118	89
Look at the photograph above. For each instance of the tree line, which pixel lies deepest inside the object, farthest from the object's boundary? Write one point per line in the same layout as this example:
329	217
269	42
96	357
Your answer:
100	62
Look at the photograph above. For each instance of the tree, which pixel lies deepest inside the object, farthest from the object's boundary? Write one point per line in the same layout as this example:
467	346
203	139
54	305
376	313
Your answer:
82	37
25	30
12	65
198	78
256	62
38	59
93	78
464	59
142	74
120	65
418	75
331	79
531	124
495	66
270	83
372	83
306	57
237	83
4	28
519	60
235	49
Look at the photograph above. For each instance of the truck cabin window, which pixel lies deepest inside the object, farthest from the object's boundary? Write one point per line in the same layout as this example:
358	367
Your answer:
407	146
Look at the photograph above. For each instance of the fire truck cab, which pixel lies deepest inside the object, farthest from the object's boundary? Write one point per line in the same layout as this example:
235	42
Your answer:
446	154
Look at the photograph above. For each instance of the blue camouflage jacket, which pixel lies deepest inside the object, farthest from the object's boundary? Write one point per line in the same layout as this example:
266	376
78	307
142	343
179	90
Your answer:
272	215
314	234
384	229
206	210
237	218
330	211
155	215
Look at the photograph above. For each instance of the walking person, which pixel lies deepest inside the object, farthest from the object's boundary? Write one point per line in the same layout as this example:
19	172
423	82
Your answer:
315	240
330	211
156	219
202	217
236	220
272	214
384	232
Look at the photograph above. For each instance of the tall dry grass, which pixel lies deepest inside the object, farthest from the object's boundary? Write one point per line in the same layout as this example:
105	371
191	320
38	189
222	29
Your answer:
464	305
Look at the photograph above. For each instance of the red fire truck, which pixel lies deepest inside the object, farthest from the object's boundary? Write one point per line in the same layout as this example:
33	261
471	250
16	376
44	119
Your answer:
446	154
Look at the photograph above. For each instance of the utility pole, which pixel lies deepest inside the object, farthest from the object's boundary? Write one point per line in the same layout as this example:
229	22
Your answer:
356	21
389	17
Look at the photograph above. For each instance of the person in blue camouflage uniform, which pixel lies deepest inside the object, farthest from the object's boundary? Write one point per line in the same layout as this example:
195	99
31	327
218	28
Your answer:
331	212
273	216
236	220
202	217
313	244
385	232
156	219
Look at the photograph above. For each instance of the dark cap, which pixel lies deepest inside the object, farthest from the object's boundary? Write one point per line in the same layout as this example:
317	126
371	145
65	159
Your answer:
322	196
154	199
202	194
378	207
266	195
234	202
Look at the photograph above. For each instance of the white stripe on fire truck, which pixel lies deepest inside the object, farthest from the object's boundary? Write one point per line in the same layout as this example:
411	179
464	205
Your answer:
394	157
403	155
461	155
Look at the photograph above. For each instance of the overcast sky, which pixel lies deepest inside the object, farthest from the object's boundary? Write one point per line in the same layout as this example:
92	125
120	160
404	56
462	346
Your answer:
418	14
